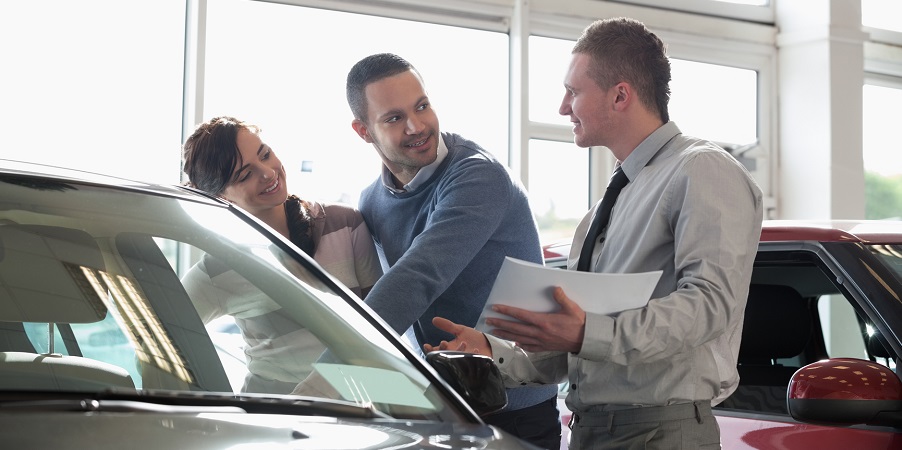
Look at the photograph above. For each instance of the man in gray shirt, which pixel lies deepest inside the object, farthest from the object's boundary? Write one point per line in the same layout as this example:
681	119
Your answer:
648	375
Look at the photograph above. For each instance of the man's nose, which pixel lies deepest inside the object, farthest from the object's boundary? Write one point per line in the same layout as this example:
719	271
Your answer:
564	109
414	125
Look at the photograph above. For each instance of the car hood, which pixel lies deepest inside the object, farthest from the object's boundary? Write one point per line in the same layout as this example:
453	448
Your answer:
139	431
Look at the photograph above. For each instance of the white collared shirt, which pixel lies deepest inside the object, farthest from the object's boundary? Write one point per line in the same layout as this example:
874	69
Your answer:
422	175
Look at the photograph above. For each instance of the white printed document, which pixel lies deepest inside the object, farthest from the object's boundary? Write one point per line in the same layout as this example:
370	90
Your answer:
529	286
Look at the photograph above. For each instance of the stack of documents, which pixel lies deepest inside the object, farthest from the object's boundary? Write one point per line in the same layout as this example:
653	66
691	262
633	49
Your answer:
529	286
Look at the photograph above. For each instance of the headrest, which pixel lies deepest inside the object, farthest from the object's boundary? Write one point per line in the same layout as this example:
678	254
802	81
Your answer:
777	324
43	275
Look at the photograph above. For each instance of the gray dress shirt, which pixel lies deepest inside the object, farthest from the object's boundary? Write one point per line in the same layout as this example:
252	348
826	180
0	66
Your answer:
692	211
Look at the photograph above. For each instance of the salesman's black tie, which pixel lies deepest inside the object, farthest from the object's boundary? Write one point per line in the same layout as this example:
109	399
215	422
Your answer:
602	216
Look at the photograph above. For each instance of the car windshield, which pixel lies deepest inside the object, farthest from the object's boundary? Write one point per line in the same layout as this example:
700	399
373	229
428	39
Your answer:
123	290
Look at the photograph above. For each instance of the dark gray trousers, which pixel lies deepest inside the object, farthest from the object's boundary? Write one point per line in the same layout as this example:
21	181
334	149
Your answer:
683	426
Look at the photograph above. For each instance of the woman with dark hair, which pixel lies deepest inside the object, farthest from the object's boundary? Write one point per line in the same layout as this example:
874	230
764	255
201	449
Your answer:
226	157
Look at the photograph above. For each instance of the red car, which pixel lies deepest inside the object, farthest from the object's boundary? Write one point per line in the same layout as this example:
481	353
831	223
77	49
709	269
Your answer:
821	339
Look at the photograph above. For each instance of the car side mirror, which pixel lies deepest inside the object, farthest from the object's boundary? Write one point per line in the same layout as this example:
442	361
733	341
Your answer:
474	377
845	391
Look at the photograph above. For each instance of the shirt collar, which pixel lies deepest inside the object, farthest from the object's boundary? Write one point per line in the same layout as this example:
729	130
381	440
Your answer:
646	150
422	175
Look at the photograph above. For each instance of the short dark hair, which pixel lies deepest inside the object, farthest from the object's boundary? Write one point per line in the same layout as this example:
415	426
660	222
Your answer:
623	49
370	70
211	153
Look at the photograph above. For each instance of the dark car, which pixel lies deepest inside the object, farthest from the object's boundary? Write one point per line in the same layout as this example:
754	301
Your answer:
821	339
102	344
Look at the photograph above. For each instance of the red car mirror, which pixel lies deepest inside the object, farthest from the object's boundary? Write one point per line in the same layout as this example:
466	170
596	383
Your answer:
845	391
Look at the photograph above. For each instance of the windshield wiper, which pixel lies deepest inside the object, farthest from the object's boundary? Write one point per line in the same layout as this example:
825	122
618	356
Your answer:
190	403
92	405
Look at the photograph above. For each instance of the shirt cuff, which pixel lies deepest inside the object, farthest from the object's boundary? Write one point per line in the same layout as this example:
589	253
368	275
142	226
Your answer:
597	337
502	350
505	353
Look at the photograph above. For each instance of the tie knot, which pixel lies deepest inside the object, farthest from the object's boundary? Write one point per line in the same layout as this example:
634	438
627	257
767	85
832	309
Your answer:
618	180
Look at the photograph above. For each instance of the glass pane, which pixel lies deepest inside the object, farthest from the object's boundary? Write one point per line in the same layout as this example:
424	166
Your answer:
881	150
695	88
97	82
714	102
558	187
105	341
87	262
883	14
841	324
548	62
882	116
268	71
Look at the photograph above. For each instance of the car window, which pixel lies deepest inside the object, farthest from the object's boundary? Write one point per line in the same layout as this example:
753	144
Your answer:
798	314
102	341
841	315
115	289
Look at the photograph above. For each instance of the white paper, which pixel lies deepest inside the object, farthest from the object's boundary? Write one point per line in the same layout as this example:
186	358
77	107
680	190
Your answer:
529	286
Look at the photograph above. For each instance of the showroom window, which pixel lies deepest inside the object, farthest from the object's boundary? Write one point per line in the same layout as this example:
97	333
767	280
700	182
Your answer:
715	102
881	98
265	64
94	85
711	101
548	62
882	164
558	187
882	14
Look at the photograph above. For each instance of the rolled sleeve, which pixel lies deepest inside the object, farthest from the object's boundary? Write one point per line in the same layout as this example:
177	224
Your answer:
597	338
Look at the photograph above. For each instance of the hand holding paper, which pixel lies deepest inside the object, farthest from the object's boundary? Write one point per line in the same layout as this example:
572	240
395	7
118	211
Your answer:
562	330
529	286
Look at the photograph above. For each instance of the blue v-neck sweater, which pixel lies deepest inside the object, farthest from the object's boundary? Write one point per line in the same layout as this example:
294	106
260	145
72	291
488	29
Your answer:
443	243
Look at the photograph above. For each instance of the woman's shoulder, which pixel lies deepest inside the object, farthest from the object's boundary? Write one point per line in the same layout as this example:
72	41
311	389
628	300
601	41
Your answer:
336	213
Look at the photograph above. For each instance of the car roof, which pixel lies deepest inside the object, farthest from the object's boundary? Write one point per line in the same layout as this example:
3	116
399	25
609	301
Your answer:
41	171
863	231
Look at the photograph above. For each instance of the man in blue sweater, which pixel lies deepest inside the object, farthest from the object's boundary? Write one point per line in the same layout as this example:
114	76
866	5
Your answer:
444	214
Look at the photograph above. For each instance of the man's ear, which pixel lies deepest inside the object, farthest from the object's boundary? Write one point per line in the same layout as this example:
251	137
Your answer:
361	129
623	95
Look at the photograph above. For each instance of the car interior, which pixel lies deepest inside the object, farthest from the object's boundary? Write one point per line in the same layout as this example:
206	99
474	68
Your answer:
49	280
87	309
178	318
782	331
66	297
778	326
